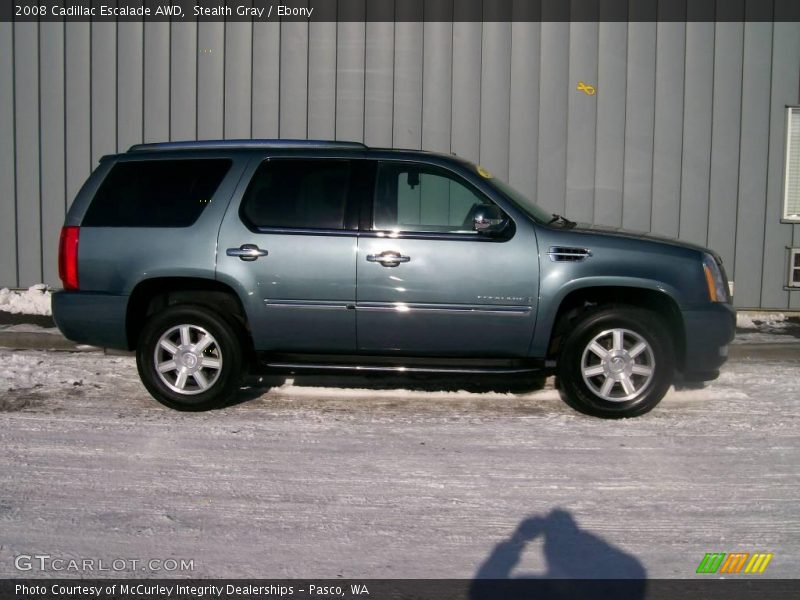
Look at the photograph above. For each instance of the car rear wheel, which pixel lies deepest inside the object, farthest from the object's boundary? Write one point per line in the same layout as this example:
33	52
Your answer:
616	362
189	358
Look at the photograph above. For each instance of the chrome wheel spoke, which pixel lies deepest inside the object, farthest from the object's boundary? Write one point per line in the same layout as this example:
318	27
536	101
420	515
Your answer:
200	380
627	384
637	350
210	363
617	337
180	382
186	338
598	349
594	371
167	366
608	384
204	342
168	346
642	370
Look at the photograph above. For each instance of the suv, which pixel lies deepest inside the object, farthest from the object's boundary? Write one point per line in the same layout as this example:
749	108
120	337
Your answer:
216	259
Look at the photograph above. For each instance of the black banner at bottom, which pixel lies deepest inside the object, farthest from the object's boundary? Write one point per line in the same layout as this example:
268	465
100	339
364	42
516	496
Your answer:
397	589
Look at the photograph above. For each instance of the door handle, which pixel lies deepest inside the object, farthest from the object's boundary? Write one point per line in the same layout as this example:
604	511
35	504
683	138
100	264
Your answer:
247	252
388	258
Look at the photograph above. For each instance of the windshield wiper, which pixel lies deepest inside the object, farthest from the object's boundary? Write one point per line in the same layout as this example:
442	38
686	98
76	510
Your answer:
559	219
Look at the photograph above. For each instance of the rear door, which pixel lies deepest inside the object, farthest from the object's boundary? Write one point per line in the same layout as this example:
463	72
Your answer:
289	247
429	284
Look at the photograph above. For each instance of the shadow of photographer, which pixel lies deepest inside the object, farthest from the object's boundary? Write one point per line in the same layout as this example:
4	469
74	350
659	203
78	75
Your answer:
573	556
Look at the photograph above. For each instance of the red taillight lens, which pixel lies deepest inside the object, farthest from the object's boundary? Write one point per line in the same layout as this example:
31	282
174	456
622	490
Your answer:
68	257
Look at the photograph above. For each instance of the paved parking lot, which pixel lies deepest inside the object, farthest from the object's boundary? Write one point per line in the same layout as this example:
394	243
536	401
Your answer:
356	478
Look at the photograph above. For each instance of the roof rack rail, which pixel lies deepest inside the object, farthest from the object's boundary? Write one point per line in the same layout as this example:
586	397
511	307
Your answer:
232	144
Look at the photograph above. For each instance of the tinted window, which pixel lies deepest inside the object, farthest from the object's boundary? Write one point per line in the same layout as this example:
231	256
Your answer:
298	194
156	193
420	198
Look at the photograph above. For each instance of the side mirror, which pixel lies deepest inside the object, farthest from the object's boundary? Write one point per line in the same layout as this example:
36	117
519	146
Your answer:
489	220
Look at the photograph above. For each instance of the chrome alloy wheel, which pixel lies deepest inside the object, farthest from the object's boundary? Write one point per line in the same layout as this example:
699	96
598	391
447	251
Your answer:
188	359
617	365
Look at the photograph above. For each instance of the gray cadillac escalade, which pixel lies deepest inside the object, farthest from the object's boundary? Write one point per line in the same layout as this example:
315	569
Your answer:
217	259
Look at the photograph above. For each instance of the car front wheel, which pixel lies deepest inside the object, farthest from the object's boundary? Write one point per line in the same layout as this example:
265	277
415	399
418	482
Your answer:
189	358
616	362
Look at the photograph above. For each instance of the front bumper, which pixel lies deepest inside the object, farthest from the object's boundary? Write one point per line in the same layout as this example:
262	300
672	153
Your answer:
92	318
707	332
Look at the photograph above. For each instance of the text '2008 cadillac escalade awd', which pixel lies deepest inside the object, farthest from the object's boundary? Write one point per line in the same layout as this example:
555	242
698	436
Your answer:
216	259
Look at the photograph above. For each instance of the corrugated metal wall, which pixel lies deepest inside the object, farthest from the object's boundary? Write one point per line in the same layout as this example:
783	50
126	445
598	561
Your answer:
685	135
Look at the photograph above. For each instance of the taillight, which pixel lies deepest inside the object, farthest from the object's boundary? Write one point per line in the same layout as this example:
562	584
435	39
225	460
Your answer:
68	257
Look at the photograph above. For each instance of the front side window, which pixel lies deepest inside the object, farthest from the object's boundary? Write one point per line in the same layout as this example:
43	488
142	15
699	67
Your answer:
419	198
298	194
156	193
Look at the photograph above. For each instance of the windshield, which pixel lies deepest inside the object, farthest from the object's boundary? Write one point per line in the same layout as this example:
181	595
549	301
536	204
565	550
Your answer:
521	201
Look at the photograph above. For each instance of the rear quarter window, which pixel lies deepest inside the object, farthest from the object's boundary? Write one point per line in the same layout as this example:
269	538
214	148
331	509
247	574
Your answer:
156	193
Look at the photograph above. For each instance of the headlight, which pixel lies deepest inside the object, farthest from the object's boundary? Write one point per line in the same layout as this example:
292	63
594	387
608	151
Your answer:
717	290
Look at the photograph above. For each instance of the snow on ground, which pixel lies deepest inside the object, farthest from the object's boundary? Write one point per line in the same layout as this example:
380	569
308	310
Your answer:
761	320
369	477
33	301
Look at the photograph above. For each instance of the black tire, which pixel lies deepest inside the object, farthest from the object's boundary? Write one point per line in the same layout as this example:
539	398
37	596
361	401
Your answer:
222	381
644	392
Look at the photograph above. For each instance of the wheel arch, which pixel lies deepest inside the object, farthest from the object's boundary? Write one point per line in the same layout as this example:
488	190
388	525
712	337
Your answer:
151	295
572	302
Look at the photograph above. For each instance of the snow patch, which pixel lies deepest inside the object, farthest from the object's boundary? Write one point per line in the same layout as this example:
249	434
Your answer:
33	301
762	320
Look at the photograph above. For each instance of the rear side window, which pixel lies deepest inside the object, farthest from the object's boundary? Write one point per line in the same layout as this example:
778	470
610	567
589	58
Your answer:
298	194
156	193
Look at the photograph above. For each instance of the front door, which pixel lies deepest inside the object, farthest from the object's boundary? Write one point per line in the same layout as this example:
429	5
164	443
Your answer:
289	247
429	284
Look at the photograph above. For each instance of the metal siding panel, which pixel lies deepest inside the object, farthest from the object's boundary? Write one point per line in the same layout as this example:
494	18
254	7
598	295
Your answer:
610	156
581	122
524	107
697	119
350	45
495	97
183	82
727	114
777	235
156	81
77	81
553	87
437	90
266	80
130	98
26	89
379	84
639	123
668	133
51	76
465	129
210	80
104	90
294	80
322	81
407	127
794	296
753	163
238	54
8	218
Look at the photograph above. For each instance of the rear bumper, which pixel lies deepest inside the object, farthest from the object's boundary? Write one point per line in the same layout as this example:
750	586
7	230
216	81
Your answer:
92	318
707	331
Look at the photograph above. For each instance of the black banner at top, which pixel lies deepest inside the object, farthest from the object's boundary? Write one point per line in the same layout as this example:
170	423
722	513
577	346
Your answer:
401	10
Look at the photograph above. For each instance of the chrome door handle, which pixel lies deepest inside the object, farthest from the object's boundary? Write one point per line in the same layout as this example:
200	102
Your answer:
247	252
388	258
